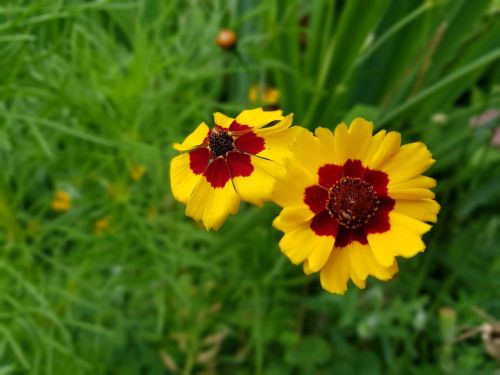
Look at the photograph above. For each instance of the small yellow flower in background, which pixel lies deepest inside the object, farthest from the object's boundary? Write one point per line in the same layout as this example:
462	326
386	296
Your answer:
152	212
269	97
237	159
352	202
227	39
137	172
102	225
61	202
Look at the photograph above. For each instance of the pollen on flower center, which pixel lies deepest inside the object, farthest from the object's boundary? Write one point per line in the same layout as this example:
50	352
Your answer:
352	202
220	143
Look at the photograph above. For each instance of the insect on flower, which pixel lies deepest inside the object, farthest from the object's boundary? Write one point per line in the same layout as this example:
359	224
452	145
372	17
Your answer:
237	159
352	202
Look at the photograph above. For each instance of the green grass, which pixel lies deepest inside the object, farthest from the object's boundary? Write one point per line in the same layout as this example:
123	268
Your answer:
90	88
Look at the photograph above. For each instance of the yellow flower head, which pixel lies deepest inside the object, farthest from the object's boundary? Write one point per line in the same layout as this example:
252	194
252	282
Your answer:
137	172
102	225
269	97
61	201
236	159
352	202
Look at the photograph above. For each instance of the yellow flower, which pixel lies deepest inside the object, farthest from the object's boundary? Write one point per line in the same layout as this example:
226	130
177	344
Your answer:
61	201
270	96
102	225
352	202
236	159
137	172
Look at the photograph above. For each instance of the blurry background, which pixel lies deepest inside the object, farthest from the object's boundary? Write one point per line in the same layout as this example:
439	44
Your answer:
101	272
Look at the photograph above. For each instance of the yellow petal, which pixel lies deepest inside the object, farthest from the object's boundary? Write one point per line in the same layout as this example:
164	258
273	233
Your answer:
309	151
398	241
359	139
410	193
318	258
222	120
194	139
278	139
182	178
289	189
212	205
424	210
410	223
360	283
292	217
299	243
258	117
336	272
409	161
341	143
388	147
375	145
363	263
257	187
307	269
326	138
416	182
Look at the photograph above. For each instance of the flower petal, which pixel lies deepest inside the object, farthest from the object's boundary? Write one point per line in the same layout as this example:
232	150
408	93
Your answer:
329	174
341	143
309	151
301	242
316	197
415	182
194	139
398	241
335	273
289	188
388	147
217	173
318	258
222	120
278	139
292	217
411	193
183	178
409	161
257	187
212	205
416	226
258	117
360	283
324	225
363	263
359	138
375	145
249	142
424	210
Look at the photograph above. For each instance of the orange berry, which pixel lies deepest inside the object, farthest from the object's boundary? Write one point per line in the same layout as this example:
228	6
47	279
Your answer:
226	39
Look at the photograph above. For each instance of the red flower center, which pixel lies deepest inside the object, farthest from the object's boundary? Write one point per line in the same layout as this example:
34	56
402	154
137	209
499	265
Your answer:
226	153
220	143
352	202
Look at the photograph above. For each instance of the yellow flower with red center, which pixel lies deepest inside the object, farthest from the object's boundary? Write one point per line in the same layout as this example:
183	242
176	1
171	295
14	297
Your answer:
238	159
352	202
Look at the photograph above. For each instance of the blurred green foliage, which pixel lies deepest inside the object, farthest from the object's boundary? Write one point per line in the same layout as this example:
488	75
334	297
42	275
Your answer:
89	90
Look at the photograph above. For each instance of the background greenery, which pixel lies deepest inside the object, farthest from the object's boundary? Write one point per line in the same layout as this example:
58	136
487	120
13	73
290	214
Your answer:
91	89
